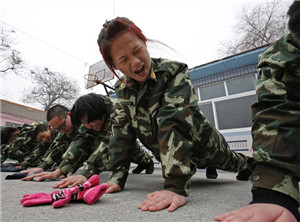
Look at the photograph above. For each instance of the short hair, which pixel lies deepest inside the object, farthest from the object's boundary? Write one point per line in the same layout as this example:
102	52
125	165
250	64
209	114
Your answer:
39	129
91	105
294	21
57	111
6	134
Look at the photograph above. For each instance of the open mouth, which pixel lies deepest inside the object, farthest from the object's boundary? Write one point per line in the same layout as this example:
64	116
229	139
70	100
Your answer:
140	71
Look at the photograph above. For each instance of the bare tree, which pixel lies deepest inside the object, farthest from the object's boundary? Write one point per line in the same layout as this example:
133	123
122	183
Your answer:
257	26
51	88
10	57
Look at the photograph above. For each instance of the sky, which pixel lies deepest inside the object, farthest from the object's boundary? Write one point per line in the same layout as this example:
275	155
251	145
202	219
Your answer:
62	34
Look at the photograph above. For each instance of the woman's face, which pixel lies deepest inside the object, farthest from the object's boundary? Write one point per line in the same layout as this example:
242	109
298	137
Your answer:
130	56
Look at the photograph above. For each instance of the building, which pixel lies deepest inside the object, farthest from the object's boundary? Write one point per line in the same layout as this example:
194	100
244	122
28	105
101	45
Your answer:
226	90
13	114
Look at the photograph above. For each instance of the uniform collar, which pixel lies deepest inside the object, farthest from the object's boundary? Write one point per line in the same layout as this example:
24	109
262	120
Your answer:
129	82
54	133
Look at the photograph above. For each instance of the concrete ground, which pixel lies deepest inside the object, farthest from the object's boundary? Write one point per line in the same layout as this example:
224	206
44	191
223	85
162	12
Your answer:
208	198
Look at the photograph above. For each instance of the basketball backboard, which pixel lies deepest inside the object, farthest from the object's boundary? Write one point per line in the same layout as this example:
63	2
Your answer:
98	73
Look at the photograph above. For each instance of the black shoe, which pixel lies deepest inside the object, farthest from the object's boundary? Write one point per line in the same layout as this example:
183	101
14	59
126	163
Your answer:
148	167
138	169
246	173
211	173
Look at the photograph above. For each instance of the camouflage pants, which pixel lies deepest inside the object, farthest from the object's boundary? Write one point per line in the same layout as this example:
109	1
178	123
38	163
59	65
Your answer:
140	156
213	151
99	161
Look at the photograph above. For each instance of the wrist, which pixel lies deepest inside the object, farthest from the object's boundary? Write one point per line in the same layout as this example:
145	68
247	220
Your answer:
57	173
262	195
44	166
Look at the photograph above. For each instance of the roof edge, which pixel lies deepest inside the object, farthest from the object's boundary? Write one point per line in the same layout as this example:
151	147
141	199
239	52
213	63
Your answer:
229	57
27	107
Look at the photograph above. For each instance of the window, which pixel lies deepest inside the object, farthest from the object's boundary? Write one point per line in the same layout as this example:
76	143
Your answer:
10	124
235	113
207	110
240	85
212	91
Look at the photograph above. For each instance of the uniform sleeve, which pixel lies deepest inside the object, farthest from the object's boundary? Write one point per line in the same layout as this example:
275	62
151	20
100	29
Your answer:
175	120
121	145
3	148
56	150
35	157
98	161
23	144
79	150
276	120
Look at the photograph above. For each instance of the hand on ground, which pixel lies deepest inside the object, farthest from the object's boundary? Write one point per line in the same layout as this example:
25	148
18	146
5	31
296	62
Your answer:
162	199
42	176
63	176
71	181
112	187
258	212
33	170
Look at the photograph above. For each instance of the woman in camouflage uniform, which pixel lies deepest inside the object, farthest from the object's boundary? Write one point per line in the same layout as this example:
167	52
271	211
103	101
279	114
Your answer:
157	104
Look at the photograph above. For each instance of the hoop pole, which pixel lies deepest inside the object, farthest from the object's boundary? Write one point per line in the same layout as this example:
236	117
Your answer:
106	91
105	85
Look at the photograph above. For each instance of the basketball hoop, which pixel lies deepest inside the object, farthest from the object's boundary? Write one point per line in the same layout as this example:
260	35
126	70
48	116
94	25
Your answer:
98	74
91	80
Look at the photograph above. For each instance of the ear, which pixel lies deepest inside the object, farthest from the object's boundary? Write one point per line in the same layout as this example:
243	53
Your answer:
69	113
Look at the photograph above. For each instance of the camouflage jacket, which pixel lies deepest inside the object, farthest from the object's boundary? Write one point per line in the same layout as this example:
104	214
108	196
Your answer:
23	144
276	118
163	114
85	142
58	147
98	160
35	157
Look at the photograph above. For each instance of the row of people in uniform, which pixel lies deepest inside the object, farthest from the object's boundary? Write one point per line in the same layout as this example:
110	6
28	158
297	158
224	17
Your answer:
157	104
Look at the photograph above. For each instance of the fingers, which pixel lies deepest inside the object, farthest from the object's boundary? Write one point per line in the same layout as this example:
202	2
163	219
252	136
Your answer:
162	199
40	176
32	170
110	190
32	176
154	205
173	207
223	216
112	187
70	181
62	184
